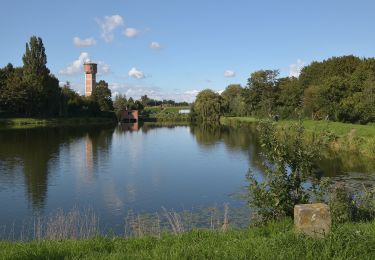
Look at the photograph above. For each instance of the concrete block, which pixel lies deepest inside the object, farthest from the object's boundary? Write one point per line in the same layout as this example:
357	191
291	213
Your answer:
312	219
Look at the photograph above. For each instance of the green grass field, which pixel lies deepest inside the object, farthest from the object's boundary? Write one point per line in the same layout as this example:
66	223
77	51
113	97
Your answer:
340	129
345	137
158	109
274	241
167	114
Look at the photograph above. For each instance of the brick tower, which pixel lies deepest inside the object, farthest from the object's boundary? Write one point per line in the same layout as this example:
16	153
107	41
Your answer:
90	77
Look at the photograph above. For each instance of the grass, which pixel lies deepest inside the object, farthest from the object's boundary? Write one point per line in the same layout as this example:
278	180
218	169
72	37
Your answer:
275	240
167	114
340	129
343	136
16	123
158	109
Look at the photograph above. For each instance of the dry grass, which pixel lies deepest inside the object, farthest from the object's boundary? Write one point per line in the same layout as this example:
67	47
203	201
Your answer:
73	224
84	223
171	221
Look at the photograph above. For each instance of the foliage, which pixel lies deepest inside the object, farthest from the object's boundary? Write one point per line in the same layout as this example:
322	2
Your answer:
102	95
42	88
340	89
288	161
119	105
208	106
233	101
259	92
71	102
347	205
149	102
289	101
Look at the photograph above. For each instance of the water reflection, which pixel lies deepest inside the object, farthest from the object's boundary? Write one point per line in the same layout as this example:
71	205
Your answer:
35	153
246	139
141	167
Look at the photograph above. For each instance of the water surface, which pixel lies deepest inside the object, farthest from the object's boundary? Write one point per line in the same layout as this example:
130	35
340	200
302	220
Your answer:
117	169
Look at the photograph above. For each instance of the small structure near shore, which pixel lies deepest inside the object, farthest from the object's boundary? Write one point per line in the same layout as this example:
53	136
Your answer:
129	116
312	219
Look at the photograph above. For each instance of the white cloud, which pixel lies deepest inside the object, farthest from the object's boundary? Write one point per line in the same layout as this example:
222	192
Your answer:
77	66
108	24
295	69
229	73
131	32
155	45
103	68
84	42
134	73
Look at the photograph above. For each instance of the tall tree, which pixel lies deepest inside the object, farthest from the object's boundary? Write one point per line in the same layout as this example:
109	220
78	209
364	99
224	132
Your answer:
42	88
290	97
233	100
102	95
260	91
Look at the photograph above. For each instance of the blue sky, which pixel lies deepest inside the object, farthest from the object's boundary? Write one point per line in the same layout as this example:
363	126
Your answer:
174	48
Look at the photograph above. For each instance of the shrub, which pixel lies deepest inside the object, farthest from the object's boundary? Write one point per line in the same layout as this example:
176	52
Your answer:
288	161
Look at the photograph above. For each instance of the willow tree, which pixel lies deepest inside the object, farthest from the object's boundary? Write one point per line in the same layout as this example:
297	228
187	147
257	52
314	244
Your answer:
208	106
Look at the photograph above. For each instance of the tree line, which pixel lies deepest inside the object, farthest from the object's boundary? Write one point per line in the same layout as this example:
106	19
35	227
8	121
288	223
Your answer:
31	90
339	89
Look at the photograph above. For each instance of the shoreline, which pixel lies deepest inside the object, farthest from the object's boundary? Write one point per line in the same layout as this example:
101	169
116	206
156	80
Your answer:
340	137
24	123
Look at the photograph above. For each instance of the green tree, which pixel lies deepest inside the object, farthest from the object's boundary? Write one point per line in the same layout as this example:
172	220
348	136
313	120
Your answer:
233	101
13	93
145	100
119	104
260	92
208	106
71	102
42	88
102	95
290	97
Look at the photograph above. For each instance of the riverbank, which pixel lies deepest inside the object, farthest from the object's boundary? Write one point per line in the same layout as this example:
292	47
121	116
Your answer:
339	136
165	114
16	123
276	240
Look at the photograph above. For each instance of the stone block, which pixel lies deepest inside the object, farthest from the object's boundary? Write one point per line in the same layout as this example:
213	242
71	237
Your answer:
312	219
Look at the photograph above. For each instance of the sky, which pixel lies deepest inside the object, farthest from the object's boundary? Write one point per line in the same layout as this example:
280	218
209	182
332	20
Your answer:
172	49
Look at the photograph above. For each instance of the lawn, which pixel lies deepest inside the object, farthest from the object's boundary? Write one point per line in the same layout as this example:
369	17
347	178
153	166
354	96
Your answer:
340	129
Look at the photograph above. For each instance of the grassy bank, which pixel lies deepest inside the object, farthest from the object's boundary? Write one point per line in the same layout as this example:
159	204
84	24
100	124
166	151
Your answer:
51	122
340	136
167	114
277	240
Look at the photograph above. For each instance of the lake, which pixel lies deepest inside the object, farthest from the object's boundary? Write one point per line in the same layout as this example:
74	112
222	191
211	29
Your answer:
115	169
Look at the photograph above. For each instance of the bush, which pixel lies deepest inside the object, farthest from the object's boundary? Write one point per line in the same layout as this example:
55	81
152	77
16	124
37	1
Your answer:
288	161
347	205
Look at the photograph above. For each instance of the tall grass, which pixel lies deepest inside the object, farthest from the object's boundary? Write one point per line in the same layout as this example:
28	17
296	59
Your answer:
72	224
85	223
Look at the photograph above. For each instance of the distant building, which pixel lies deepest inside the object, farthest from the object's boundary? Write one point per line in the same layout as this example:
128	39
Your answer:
129	115
90	77
184	111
